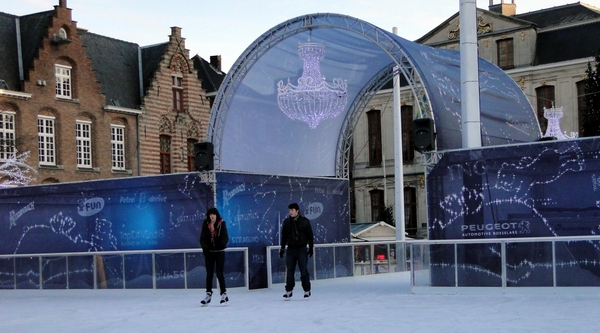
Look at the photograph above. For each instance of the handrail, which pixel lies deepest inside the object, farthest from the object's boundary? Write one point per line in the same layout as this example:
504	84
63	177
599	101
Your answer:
97	255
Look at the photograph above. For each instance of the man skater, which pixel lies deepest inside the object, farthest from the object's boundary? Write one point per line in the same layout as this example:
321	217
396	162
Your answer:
296	233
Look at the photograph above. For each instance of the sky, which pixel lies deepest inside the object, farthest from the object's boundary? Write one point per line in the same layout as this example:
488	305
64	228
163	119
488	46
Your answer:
228	27
374	303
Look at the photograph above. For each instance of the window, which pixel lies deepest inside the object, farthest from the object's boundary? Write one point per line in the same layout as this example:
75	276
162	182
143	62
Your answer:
191	156
506	57
408	139
117	144
410	210
581	105
84	144
46	145
374	124
377	205
165	154
177	93
62	33
63	81
7	135
545	99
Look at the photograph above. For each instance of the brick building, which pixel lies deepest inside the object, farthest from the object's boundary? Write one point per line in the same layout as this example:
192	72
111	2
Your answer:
90	107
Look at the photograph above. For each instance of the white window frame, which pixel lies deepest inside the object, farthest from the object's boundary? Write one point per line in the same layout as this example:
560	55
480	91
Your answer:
46	140
117	144
83	136
64	83
7	135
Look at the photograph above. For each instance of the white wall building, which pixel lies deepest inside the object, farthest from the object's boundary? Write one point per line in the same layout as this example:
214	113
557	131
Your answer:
546	52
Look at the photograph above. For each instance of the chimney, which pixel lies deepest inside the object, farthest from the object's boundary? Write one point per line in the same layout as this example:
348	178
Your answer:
215	61
176	31
62	3
506	9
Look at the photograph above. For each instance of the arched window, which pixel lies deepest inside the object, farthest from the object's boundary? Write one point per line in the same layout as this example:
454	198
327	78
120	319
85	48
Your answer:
64	87
62	33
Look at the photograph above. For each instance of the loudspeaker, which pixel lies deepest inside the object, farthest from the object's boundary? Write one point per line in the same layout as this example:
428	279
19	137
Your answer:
424	135
203	152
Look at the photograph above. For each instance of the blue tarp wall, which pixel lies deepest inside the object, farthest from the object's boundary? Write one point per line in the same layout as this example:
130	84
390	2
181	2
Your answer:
543	189
166	212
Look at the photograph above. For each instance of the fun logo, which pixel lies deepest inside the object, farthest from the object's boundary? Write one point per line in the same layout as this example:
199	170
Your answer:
313	211
91	206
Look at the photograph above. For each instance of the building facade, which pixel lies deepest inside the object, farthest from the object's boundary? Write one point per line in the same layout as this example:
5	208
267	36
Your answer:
546	52
88	107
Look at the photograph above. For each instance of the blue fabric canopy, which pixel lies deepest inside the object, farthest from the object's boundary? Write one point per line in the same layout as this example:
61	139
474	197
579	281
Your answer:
252	134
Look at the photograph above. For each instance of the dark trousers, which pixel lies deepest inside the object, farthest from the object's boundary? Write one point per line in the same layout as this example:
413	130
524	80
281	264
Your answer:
215	259
300	257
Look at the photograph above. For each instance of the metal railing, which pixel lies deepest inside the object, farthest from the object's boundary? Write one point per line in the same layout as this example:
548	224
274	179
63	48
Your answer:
344	260
522	265
148	269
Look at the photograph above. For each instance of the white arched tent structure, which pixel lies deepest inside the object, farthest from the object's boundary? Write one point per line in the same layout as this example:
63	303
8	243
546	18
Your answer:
252	131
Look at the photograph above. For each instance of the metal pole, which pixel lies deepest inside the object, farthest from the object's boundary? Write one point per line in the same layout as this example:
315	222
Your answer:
398	168
469	75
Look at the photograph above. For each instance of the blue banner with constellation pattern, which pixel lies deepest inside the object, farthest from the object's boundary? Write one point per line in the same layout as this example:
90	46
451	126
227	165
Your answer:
542	189
255	205
166	212
137	213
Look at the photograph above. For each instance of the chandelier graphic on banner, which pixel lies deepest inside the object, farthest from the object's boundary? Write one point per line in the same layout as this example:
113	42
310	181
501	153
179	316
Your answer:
313	99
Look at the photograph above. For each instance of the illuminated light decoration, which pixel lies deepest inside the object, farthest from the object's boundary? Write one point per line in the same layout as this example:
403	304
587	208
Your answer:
313	99
553	115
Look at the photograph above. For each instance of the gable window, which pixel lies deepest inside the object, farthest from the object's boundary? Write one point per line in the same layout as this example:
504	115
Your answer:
117	144
506	56
374	128
62	33
177	93
545	99
46	144
191	156
410	210
83	138
408	139
7	135
63	81
377	205
165	154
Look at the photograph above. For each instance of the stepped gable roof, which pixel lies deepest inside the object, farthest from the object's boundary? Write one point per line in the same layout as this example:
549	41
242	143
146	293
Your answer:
575	42
210	76
116	65
560	15
9	70
152	55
